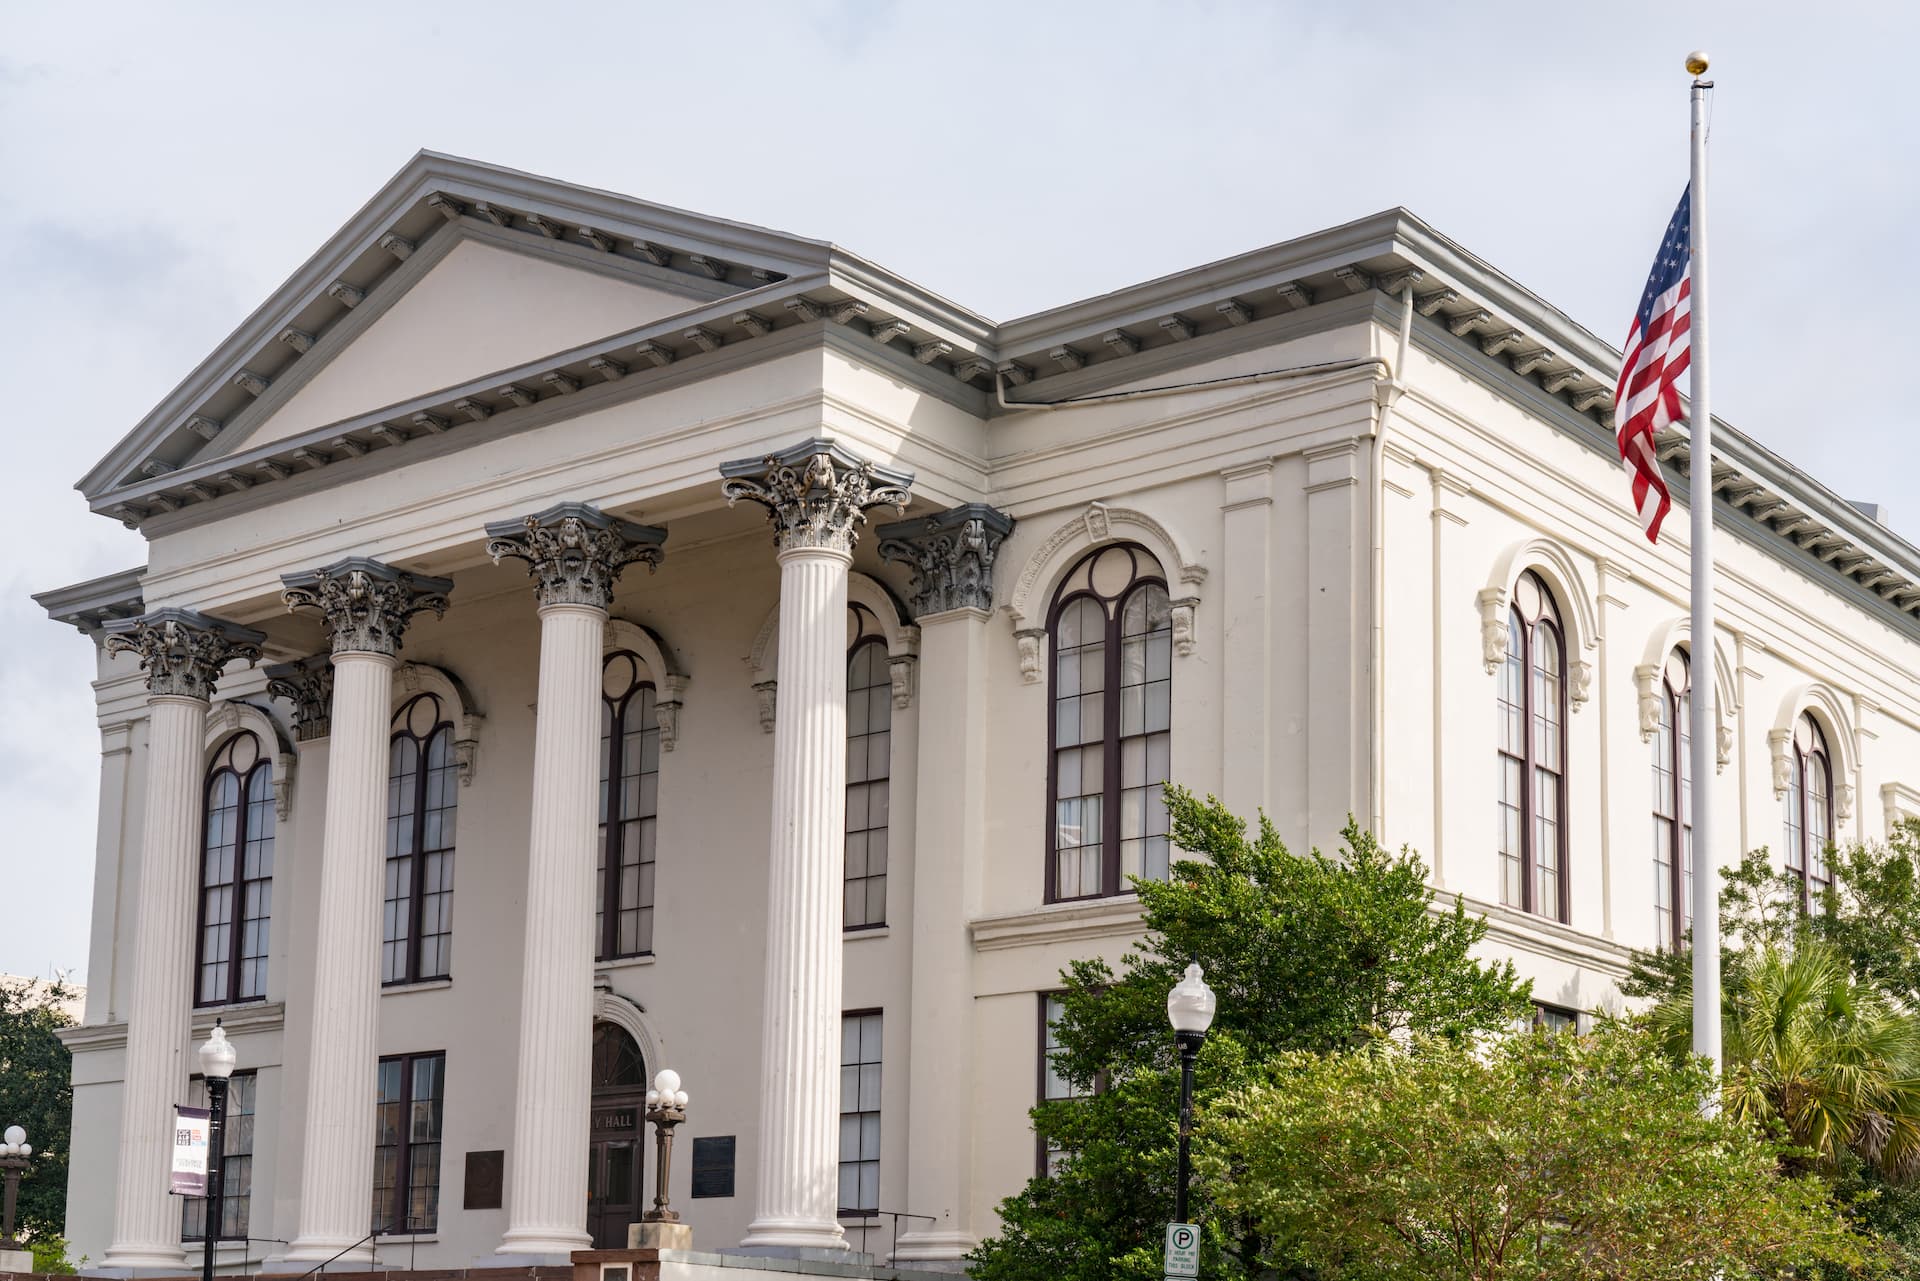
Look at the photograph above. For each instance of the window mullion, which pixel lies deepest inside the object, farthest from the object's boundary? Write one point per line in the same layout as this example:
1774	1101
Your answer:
611	838
236	911
1110	778
416	882
1529	855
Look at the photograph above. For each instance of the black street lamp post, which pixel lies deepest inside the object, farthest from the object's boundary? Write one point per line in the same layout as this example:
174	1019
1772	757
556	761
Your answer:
1190	1010
216	1065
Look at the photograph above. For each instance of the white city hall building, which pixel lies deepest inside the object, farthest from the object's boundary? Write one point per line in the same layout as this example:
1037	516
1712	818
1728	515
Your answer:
560	764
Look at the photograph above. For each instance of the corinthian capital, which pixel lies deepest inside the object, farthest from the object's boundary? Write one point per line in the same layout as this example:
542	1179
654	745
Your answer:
951	554
816	493
366	604
308	685
181	651
575	551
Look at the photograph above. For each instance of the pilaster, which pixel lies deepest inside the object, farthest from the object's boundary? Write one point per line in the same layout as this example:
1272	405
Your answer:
1246	630
1336	638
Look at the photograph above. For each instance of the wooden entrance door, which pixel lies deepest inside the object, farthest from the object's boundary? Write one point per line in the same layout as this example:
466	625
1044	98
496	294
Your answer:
616	1154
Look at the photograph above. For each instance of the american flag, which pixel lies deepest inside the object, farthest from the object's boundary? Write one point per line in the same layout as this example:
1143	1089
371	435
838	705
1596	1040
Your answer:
1647	397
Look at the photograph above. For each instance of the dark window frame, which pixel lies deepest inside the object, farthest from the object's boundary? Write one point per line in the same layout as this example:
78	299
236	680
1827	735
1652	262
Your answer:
612	820
1679	765
1531	765
1811	847
228	1197
841	1211
398	1221
259	774
868	641
1042	1164
1112	785
421	758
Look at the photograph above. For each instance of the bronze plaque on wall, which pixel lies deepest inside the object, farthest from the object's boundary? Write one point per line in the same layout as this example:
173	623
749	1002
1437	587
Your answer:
486	1172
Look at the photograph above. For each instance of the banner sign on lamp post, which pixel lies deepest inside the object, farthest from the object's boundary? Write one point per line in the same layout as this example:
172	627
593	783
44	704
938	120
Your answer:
189	1175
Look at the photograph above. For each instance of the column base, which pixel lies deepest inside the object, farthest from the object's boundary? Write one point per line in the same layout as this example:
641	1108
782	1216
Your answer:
544	1241
157	1255
779	1237
803	1254
933	1247
313	1250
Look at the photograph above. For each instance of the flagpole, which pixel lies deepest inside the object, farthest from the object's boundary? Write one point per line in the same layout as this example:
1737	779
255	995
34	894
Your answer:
1704	727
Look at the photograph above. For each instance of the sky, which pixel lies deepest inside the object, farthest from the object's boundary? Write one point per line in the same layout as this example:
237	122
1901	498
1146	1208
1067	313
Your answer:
163	168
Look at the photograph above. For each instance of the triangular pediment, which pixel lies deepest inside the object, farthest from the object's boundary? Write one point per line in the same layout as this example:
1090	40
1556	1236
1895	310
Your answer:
453	268
479	307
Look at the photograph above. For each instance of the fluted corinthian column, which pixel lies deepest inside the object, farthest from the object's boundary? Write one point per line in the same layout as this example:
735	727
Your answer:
182	653
951	554
366	606
817	495
574	553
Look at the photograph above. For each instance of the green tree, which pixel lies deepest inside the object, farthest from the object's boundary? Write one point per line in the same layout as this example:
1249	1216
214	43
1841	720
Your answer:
1544	1156
1304	953
1811	1049
36	1093
1869	915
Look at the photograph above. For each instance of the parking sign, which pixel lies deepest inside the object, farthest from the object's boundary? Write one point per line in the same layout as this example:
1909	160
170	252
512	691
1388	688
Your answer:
1183	1250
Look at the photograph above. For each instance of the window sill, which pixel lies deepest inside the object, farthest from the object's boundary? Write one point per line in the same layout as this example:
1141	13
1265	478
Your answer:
623	963
1077	921
867	932
424	985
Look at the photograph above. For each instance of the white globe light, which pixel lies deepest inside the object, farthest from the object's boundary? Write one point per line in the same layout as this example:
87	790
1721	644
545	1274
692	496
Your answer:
1190	1004
26	1149
680	1098
217	1056
666	1080
15	1136
653	1097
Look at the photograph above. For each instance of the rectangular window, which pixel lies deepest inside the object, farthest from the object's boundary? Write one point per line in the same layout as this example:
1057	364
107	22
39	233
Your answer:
406	1153
1053	1085
860	1113
869	759
236	1163
1555	1018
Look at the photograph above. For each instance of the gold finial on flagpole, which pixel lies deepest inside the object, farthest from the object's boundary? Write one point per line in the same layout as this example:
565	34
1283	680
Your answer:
1697	63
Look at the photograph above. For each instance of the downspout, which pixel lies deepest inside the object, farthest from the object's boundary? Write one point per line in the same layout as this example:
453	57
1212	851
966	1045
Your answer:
1238	380
1395	387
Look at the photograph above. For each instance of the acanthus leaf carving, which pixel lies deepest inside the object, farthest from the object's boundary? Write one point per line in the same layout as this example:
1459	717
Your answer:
817	493
765	692
951	555
1649	698
1493	626
308	686
181	651
1032	643
1579	682
366	605
575	552
1780	742
1180	614
900	674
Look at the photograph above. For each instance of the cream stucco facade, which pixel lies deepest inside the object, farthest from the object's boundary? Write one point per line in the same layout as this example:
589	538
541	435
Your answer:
1340	515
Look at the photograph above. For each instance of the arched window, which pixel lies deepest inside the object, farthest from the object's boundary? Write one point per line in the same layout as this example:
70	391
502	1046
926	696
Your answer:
1112	637
1809	811
629	808
416	940
1673	806
1533	751
869	751
236	874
